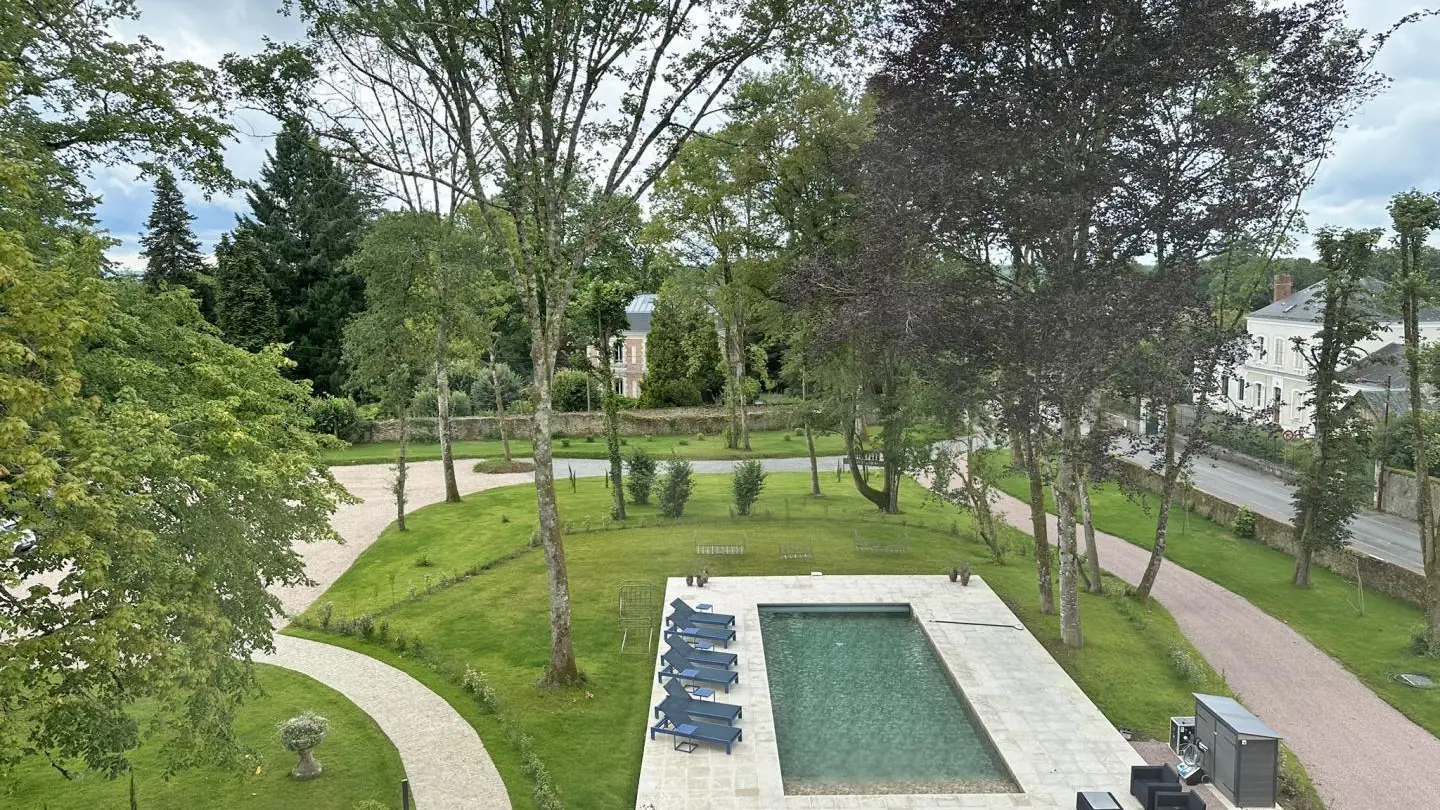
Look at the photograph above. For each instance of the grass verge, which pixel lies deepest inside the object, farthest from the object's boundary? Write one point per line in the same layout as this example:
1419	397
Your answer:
1373	644
763	444
496	620
360	763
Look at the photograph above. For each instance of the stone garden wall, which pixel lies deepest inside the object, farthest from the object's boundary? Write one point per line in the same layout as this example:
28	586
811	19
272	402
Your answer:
1388	578
1398	494
633	422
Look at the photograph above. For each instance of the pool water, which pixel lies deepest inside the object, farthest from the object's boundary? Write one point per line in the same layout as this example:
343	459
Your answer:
862	704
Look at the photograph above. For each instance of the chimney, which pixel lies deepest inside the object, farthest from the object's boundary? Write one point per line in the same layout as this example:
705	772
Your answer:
1284	285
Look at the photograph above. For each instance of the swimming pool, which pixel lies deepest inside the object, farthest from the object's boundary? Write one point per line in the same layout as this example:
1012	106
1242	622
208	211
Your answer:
862	704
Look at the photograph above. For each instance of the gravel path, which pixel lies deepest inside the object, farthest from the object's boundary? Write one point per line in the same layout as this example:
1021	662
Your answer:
444	759
1362	753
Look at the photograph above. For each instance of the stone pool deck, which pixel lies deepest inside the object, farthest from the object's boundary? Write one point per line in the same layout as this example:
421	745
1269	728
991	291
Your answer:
1052	737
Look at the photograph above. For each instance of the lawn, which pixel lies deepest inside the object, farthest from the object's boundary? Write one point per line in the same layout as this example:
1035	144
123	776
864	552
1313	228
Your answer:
360	763
590	738
763	444
1373	645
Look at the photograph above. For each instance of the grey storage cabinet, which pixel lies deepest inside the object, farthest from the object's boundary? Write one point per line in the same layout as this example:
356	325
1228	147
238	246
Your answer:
1241	754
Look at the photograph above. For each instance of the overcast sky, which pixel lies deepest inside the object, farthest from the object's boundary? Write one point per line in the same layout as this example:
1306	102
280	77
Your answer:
1387	148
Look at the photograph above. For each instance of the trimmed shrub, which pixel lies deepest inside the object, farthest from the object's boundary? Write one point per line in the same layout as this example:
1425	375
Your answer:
460	404
1244	523
656	393
567	391
746	483
675	489
641	476
337	416
512	386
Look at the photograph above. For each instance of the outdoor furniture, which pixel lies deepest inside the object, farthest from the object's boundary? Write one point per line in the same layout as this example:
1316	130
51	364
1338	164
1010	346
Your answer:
1166	800
1148	780
686	670
724	660
796	551
1096	800
681	724
719	549
684	614
696	633
677	700
683	743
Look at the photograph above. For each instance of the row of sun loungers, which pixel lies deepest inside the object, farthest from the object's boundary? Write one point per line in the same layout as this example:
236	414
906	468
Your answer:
690	658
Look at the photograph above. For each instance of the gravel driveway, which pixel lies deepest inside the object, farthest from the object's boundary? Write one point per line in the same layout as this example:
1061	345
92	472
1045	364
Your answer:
1361	752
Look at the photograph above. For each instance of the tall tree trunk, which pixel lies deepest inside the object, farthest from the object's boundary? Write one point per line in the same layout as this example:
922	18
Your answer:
1065	505
563	670
1092	552
401	470
814	462
1167	494
442	409
1038	522
610	407
880	497
499	406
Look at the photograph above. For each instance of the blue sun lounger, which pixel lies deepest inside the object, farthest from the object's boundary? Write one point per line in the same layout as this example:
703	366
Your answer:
683	725
677	699
710	658
686	615
690	632
677	665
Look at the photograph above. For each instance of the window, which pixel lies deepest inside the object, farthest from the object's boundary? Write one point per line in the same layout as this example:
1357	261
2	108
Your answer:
1279	352
1277	396
619	386
1258	394
617	356
1225	386
1260	344
1297	358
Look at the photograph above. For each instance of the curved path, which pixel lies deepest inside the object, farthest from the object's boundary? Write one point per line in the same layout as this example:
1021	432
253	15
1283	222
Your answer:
444	759
1362	753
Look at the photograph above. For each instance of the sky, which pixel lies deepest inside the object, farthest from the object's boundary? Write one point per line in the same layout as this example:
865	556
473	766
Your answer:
1387	148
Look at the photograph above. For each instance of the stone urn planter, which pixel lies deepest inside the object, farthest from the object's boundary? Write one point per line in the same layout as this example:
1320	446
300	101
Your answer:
302	734
965	574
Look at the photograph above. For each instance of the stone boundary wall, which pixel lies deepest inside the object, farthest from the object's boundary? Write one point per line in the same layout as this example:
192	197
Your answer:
1388	578
634	422
1398	494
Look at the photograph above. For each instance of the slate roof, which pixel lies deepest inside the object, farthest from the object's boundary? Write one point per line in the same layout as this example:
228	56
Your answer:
1377	366
1304	305
1375	401
639	311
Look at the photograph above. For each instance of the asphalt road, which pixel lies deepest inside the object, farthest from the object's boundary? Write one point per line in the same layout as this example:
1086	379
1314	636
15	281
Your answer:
1380	535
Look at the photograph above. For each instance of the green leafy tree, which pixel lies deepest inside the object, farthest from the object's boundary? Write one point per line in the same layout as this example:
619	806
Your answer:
682	355
746	484
1336	480
307	215
676	486
515	85
599	317
171	251
642	476
1415	217
73	97
244	310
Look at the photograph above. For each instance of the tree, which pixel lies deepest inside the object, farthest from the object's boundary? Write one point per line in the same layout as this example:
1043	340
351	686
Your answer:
682	354
244	310
1335	481
172	254
159	531
599	317
1415	216
1036	123
72	96
514	85
307	215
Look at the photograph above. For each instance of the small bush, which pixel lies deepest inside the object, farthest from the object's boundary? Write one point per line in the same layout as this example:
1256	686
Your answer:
476	684
676	488
564	442
641	476
684	442
589	439
747	482
424	561
786	437
327	610
372	804
461	404
382	632
1244	523
337	416
568	390
365	626
1185	665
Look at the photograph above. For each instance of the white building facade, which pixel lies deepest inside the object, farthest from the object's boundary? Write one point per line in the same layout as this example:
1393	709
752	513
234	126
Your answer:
1273	384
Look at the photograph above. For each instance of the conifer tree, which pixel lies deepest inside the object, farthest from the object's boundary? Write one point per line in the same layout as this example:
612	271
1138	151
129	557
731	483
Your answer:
172	253
307	216
244	309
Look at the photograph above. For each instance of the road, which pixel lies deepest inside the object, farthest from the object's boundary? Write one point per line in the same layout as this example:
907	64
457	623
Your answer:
1383	536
